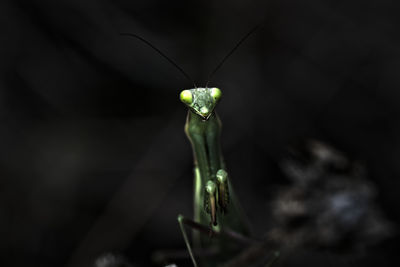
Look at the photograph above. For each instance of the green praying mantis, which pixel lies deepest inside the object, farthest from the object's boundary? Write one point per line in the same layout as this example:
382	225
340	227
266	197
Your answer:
218	221
215	203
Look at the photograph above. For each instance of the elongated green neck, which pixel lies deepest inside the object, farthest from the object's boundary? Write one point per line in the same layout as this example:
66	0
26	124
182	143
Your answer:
204	136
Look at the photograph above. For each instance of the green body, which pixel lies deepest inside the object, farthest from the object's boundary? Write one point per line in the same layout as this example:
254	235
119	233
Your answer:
204	130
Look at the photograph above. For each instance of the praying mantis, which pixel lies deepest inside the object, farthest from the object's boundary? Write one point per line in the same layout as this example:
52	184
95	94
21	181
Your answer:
216	208
215	203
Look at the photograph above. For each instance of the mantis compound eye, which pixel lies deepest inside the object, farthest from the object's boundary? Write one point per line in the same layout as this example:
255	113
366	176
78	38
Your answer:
216	93
186	97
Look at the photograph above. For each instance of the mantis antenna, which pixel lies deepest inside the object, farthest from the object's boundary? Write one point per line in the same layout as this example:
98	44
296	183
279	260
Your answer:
162	54
244	38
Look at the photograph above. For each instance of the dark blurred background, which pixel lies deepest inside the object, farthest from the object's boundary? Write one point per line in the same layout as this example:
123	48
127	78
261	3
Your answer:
93	158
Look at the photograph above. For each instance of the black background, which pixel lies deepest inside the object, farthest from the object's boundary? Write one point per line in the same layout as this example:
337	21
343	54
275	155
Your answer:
93	157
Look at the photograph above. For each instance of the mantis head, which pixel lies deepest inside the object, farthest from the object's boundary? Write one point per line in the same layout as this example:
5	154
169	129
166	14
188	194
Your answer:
201	101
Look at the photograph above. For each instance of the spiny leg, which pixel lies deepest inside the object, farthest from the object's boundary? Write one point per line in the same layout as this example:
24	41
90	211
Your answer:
254	246
223	190
205	229
210	202
185	237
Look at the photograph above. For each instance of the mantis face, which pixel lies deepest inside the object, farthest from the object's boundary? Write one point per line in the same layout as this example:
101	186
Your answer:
201	101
